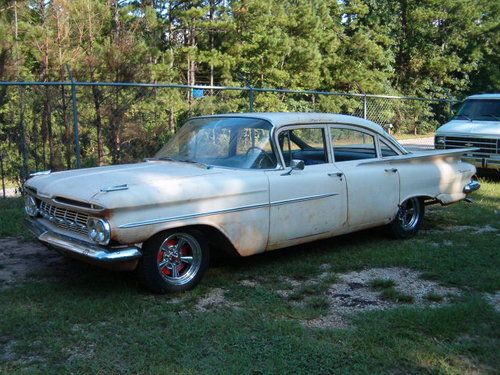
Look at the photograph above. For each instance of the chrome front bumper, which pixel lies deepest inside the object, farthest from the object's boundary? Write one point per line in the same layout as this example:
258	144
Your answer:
80	249
471	186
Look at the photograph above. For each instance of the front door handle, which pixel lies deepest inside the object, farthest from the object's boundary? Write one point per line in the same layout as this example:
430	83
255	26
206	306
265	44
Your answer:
336	174
393	170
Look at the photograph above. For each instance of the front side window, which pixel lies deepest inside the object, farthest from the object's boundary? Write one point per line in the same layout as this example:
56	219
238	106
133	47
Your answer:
225	141
350	144
306	144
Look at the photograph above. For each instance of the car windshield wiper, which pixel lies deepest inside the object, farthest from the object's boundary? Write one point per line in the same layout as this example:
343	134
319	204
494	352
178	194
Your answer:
464	116
489	115
166	158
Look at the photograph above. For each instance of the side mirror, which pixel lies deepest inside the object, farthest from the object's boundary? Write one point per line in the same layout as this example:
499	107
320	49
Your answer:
295	165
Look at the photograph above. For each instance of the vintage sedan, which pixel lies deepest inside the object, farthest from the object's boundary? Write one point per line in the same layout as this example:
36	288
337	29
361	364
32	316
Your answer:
246	183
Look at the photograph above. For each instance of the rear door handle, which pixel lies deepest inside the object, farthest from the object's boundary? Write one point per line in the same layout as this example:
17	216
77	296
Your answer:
393	170
336	174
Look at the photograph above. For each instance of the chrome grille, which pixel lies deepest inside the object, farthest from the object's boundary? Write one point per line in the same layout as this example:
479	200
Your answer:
63	218
487	146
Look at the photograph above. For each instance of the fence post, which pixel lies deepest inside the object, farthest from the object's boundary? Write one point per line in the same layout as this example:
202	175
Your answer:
22	131
365	107
3	176
251	98
75	118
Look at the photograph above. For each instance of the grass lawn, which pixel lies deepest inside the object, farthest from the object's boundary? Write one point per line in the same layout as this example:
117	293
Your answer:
89	320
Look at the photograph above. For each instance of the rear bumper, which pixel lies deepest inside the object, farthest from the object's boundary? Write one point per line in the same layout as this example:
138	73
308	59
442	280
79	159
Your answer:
127	257
471	186
486	163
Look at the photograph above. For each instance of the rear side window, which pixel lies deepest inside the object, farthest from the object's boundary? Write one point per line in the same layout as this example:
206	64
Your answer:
307	144
350	144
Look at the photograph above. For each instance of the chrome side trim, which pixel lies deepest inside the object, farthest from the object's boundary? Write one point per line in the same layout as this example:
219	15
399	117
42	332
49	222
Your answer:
302	199
225	211
192	216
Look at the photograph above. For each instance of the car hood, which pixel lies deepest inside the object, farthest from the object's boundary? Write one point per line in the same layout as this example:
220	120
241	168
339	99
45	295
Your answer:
465	127
91	184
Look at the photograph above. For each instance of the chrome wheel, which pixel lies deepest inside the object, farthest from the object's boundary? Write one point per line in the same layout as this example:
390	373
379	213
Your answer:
179	258
409	214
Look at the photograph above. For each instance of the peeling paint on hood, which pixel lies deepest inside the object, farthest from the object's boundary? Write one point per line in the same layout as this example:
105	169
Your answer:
86	184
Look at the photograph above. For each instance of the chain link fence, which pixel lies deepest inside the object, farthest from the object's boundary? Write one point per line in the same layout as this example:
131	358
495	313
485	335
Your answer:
64	125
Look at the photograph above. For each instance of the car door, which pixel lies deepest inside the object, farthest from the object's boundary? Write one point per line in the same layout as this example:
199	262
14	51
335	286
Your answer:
305	202
372	183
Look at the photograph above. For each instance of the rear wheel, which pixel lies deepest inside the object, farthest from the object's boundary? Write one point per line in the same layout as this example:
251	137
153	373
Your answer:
174	261
408	219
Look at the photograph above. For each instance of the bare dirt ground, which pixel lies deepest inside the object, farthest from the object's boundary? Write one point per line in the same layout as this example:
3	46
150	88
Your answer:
353	293
22	260
27	260
10	192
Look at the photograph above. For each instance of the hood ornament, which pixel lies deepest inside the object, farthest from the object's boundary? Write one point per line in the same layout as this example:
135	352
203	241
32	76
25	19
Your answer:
40	173
114	188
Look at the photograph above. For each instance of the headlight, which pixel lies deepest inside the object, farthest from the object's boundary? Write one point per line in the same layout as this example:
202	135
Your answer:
30	206
439	141
99	231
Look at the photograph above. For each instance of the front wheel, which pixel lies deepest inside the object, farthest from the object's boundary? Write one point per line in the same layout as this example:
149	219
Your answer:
174	261
409	218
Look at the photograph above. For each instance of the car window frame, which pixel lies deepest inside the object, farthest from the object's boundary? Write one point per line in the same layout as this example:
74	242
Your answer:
326	133
373	134
381	140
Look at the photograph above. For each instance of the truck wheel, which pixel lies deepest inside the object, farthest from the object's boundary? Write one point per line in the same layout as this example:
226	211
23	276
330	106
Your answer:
408	220
173	261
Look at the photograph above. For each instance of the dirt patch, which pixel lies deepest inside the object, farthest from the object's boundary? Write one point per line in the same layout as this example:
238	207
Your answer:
78	353
353	293
21	260
468	228
493	299
476	230
8	354
249	283
213	300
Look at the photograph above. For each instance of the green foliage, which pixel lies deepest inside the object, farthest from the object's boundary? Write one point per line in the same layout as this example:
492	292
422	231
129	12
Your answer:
395	295
428	48
66	317
382	283
434	297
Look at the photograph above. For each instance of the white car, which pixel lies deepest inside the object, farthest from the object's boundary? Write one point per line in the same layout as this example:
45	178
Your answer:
247	183
477	124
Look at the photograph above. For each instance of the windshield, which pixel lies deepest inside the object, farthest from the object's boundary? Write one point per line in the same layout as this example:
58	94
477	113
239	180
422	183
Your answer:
480	109
235	142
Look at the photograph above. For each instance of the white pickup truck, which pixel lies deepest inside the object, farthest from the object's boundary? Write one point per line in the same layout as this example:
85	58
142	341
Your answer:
477	124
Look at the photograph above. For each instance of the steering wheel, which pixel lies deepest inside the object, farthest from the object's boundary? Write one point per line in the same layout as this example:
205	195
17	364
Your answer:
262	156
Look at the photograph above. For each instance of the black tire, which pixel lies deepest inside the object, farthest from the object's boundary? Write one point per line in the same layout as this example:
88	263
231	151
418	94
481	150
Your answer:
165	267
408	220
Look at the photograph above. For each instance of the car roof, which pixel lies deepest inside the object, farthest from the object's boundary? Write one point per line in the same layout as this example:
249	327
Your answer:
485	96
279	119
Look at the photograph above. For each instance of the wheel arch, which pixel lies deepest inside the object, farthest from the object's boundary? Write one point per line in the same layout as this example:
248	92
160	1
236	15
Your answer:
219	243
425	198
